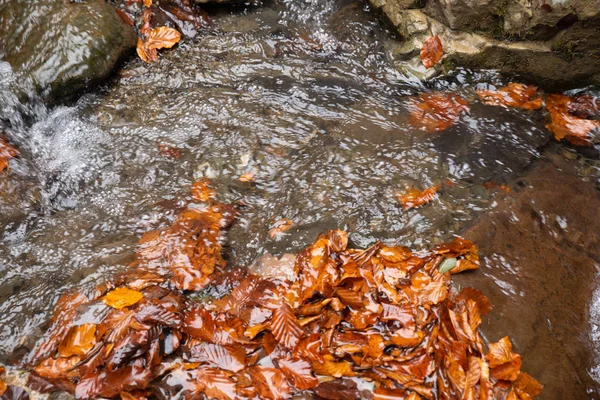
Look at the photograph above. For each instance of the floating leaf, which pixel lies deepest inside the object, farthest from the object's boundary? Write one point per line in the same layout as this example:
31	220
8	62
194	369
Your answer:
279	227
247	177
122	297
6	152
435	112
414	198
431	51
515	95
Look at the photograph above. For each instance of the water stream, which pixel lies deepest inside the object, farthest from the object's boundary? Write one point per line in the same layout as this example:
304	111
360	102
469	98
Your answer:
303	95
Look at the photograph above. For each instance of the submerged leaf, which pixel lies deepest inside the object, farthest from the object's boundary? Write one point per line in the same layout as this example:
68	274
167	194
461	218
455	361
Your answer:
6	152
566	126
514	95
414	198
435	112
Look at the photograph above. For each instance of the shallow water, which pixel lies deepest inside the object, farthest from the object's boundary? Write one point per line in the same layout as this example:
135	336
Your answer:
303	95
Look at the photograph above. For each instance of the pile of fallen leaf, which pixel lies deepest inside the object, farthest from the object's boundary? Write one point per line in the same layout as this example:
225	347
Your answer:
159	23
379	323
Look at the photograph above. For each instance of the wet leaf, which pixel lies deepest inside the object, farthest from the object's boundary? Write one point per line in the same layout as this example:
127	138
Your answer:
566	126
515	95
584	106
435	112
3	387
225	357
122	297
431	51
447	265
414	198
201	191
6	153
79	341
247	177
162	38
146	54
169	151
270	383
285	327
279	227
504	364
298	372
217	384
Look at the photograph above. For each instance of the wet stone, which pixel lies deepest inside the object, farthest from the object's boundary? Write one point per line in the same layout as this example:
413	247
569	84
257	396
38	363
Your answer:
63	47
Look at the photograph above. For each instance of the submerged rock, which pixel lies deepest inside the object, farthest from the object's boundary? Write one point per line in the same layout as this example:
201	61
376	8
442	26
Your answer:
554	45
62	47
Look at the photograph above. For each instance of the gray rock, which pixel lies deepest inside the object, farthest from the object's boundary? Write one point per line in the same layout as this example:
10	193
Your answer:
62	47
224	2
553	45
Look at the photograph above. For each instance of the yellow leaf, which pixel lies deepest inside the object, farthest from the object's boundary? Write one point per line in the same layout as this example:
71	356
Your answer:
122	297
79	340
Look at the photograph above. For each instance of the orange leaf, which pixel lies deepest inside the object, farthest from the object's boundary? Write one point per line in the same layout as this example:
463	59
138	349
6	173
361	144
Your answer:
279	227
162	38
79	340
230	358
504	364
122	297
329	367
432	51
270	383
285	327
414	198
566	126
3	387
526	385
298	372
169	151
201	191
514	95
218	384
247	177
148	3
146	54
6	152
435	112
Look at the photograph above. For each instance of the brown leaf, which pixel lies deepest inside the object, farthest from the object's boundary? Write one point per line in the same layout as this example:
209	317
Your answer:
285	327
584	106
270	383
230	358
162	38
504	364
3	387
414	198
217	383
435	112
146	54
484	305
432	51
298	372
566	126
6	152
514	95
526	385
122	297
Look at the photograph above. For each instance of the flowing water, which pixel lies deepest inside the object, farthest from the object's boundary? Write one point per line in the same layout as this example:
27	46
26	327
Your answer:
303	95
